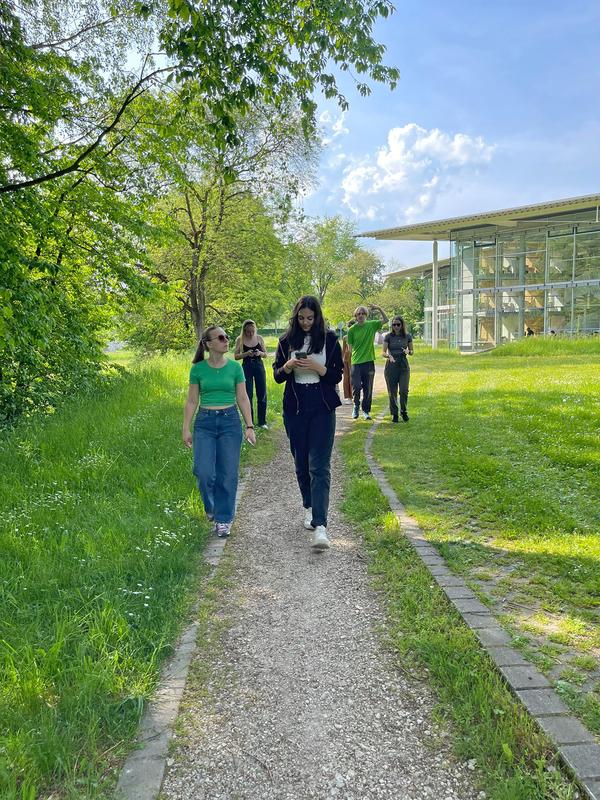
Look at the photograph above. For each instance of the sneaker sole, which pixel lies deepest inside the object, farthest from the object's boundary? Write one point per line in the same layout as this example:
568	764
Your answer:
309	527
321	546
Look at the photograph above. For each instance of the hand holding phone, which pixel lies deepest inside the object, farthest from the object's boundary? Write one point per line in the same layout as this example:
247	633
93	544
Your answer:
300	354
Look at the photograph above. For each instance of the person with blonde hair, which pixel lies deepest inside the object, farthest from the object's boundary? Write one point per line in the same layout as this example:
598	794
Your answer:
219	385
361	341
250	350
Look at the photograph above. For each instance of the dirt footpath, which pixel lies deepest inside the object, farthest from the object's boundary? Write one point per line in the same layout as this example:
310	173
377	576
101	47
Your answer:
303	700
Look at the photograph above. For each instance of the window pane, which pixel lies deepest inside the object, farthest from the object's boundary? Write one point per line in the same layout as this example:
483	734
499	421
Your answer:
586	300
558	309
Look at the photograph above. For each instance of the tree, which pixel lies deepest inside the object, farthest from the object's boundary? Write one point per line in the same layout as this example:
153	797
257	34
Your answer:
227	54
223	199
359	283
328	244
404	296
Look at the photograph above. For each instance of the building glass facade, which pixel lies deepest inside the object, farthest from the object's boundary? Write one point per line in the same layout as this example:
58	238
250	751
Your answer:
542	275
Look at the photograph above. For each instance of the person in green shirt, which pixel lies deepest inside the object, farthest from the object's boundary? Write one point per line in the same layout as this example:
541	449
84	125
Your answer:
219	384
361	342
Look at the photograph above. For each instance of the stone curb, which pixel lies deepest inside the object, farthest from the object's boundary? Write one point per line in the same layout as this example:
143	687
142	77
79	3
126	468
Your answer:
575	745
142	774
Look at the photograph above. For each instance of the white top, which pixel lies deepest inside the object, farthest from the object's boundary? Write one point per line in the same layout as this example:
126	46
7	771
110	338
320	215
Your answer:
309	375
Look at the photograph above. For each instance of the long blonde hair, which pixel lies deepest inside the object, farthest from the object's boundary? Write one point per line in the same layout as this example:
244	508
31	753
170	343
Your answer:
244	326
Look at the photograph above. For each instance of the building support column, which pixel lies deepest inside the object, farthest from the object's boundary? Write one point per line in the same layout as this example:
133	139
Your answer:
434	297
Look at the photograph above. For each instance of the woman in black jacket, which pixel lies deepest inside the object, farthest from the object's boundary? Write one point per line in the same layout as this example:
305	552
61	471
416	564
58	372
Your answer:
309	361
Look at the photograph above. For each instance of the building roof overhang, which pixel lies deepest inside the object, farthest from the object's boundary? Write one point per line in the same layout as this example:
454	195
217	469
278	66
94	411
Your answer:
417	271
488	221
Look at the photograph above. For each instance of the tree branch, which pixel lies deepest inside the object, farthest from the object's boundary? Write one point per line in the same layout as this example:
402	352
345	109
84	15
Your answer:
77	34
135	92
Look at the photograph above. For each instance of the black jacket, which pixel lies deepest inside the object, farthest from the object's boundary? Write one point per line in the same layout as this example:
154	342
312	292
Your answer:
328	382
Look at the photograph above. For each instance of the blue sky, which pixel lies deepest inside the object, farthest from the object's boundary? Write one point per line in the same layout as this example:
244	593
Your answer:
497	106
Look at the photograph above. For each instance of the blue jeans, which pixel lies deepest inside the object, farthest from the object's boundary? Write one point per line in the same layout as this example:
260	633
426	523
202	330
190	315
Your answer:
217	444
311	433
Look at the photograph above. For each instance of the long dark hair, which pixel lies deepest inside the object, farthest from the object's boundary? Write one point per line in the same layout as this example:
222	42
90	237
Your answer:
202	348
295	335
398	318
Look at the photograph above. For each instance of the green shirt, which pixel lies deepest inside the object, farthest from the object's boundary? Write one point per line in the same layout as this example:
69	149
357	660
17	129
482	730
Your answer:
217	386
361	339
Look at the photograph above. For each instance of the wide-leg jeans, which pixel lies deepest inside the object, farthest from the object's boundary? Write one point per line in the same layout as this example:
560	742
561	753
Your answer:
254	370
311	433
217	444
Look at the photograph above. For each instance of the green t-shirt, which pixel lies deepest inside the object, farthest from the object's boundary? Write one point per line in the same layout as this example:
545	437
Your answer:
217	386
361	339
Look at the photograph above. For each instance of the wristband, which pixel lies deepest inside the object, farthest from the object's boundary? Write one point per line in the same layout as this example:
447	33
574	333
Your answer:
249	426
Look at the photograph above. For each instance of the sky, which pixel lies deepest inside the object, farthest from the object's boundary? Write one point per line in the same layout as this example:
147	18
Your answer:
496	107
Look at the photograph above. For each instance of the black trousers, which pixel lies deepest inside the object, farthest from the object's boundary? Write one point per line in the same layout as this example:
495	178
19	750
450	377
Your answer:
397	378
363	376
254	370
311	433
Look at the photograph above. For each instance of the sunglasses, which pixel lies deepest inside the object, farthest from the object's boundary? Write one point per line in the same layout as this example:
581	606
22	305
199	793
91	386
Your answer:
222	337
396	324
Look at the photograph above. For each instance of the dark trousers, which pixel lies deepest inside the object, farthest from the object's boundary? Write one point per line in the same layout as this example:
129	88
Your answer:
254	370
363	376
311	434
397	378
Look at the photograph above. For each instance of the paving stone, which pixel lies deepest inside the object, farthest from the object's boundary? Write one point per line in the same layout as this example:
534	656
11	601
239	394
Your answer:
471	606
593	789
489	637
456	592
506	657
565	729
475	621
527	677
440	570
584	759
541	701
423	545
433	560
449	580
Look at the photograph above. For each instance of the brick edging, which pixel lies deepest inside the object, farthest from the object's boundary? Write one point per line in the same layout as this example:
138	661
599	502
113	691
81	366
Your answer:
142	774
575	745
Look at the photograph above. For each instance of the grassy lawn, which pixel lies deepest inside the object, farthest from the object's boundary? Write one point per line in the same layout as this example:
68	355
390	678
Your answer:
500	465
101	531
489	729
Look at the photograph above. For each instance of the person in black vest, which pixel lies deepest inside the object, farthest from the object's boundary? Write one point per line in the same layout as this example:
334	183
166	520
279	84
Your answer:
397	346
309	362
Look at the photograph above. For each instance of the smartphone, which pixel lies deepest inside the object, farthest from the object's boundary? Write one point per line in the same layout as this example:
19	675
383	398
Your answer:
301	355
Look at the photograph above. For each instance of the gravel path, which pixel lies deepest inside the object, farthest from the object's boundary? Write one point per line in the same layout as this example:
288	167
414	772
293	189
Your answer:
304	701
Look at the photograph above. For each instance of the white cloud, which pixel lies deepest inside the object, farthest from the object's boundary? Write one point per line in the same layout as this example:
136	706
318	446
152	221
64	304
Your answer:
409	172
331	128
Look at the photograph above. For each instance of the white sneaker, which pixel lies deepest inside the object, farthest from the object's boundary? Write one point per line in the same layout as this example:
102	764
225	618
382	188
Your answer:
265	427
320	540
347	401
308	519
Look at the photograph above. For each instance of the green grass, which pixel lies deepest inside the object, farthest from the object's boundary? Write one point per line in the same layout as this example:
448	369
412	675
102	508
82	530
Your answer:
514	760
101	531
500	465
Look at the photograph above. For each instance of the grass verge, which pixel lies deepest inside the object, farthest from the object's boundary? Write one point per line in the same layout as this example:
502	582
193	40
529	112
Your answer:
500	466
101	531
513	758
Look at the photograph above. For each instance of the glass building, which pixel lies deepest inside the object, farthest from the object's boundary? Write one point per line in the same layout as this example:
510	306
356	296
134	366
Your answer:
511	273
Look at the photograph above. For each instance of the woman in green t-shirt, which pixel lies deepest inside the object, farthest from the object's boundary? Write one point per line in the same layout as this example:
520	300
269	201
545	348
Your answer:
219	384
